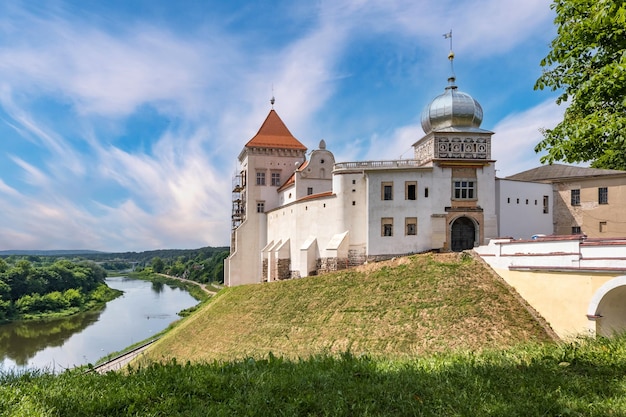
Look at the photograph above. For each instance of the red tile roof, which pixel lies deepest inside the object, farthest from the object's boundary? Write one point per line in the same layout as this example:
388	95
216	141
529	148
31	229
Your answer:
274	134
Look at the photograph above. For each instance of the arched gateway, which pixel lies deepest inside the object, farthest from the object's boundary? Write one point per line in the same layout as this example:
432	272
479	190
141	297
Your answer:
607	308
462	234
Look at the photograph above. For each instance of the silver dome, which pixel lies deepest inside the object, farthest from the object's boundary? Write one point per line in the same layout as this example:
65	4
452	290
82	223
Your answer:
453	108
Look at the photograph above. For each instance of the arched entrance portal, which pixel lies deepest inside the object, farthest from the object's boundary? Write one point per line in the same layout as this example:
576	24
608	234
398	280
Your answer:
607	308
462	234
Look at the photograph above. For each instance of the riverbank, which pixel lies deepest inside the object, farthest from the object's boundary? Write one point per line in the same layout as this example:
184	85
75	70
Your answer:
97	301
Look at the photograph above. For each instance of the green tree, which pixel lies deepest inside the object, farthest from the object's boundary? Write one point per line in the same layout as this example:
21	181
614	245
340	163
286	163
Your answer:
157	264
587	61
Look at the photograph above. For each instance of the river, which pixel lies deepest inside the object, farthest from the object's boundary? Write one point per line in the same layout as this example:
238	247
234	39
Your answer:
143	310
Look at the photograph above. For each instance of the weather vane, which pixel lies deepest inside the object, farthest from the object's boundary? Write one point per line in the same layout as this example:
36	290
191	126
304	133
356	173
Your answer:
451	54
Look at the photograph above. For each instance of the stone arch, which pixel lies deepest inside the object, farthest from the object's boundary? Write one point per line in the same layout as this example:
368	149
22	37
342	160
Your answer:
463	233
607	309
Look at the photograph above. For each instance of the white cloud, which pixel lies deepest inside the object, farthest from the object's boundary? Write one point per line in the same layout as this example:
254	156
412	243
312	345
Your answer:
517	134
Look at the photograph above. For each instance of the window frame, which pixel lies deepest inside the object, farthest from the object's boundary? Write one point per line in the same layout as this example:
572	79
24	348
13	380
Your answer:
260	178
260	206
603	195
461	187
275	178
386	224
410	190
384	186
408	222
546	204
575	197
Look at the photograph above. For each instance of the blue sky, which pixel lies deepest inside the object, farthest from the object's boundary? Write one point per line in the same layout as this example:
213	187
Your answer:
121	121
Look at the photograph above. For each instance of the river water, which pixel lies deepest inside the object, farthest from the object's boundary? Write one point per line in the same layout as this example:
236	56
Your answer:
143	310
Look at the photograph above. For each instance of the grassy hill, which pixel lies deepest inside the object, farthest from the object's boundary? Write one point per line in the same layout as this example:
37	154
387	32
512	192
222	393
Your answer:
409	306
403	313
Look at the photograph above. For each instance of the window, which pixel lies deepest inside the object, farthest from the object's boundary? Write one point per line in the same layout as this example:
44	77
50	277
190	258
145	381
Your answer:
576	230
426	192
260	178
309	190
275	179
387	226
464	189
260	207
526	201
410	226
508	200
603	195
546	204
410	190
575	197
387	190
603	228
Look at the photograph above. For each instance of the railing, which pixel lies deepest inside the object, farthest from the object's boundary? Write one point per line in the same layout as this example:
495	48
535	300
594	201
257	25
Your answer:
399	163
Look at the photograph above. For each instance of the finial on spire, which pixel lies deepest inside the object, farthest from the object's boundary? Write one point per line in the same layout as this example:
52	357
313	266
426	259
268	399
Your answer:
452	77
272	100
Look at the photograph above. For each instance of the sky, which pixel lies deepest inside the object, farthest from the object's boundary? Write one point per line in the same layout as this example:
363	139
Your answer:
121	121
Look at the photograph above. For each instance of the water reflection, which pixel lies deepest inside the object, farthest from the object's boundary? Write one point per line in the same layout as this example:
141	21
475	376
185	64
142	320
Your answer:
157	286
20	341
142	311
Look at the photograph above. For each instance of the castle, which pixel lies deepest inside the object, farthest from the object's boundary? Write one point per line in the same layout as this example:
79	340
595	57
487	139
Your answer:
294	216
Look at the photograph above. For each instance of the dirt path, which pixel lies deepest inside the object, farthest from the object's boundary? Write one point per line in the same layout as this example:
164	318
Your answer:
203	286
121	361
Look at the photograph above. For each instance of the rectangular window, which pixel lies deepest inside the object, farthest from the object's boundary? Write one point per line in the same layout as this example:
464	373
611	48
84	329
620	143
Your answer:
386	226
260	207
275	179
576	230
410	190
603	228
260	178
309	191
464	189
575	197
603	195
387	190
411	226
546	204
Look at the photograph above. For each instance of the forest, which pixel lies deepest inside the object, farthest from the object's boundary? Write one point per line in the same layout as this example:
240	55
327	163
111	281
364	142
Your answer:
50	287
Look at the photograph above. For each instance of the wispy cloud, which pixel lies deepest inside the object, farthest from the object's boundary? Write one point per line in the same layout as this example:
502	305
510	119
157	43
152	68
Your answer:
517	134
126	131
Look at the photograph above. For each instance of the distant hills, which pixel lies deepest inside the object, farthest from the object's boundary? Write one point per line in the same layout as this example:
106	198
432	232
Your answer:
64	252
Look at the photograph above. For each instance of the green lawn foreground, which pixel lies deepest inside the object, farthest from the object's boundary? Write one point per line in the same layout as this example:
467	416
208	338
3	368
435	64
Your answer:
584	377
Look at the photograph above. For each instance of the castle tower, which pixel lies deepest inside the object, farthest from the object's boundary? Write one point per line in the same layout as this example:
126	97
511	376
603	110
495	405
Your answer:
266	161
460	151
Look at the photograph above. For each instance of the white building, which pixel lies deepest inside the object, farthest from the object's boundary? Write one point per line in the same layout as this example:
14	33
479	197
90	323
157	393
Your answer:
294	217
524	208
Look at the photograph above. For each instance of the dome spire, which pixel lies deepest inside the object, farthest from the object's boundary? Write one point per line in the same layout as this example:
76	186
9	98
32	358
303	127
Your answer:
452	77
453	109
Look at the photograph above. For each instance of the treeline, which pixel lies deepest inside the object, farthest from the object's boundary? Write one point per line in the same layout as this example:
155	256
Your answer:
203	266
31	289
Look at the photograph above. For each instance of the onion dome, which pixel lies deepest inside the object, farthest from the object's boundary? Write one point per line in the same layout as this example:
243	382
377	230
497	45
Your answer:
452	109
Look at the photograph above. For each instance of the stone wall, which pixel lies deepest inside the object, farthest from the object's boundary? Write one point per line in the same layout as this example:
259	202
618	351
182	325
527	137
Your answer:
283	269
264	271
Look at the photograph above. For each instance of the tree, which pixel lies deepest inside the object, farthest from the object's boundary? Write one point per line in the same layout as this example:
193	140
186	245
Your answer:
587	61
157	264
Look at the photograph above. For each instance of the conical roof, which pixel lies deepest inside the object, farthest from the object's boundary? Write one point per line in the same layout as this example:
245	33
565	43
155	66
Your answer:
274	134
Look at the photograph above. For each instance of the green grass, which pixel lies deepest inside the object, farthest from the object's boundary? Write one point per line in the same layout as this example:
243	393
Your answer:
581	378
427	335
414	305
